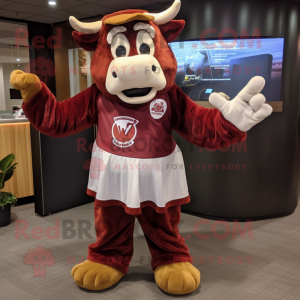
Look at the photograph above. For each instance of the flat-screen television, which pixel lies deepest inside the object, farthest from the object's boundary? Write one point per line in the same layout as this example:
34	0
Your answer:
15	94
227	65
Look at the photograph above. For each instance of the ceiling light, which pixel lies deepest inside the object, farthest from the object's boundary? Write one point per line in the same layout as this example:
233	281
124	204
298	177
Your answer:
18	59
52	2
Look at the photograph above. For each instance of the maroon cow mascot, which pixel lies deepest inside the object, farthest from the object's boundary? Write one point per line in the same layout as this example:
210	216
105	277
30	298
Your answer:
137	168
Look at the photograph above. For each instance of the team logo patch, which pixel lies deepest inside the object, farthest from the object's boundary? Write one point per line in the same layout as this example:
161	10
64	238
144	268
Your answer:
158	108
124	131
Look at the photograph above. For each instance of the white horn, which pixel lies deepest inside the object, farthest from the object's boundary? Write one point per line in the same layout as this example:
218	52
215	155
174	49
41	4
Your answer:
167	15
93	27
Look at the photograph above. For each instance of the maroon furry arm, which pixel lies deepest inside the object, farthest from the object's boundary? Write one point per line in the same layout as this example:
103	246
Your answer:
60	119
203	127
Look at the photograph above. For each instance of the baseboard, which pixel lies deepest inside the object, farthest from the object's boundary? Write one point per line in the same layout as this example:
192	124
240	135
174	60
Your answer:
232	219
25	200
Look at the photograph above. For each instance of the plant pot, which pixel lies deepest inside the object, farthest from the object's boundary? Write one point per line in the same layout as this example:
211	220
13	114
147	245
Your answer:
5	215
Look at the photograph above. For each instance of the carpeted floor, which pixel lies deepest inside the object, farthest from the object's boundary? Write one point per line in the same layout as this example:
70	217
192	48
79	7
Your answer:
262	263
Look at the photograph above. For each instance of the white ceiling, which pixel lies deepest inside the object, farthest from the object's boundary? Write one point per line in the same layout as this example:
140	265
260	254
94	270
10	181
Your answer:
41	11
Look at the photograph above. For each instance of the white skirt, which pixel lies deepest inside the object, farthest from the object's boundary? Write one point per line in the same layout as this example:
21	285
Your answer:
135	180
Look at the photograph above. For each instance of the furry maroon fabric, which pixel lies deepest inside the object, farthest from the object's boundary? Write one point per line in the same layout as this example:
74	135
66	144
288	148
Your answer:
204	127
60	119
172	29
86	41
114	230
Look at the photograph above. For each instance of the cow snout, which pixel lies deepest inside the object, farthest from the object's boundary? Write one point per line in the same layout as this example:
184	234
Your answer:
141	72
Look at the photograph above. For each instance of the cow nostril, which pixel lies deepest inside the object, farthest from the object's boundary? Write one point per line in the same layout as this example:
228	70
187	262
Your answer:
153	68
114	74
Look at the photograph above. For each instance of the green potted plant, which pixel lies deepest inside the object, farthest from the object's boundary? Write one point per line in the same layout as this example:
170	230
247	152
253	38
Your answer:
6	199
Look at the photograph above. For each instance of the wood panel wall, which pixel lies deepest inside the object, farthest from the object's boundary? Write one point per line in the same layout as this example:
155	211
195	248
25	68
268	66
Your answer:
15	138
62	77
82	78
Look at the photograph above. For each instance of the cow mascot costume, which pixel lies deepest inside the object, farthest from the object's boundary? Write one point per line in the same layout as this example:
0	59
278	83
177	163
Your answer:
136	105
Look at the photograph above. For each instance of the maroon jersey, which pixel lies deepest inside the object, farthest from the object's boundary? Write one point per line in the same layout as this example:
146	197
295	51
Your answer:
139	131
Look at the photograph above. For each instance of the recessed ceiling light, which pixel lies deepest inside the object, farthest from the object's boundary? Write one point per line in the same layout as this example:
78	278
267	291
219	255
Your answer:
18	59
52	2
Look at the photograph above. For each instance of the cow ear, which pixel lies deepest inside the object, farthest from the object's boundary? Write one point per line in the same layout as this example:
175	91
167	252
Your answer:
172	29
86	41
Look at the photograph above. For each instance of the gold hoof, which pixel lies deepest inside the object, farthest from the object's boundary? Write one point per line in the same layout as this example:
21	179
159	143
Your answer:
177	278
94	276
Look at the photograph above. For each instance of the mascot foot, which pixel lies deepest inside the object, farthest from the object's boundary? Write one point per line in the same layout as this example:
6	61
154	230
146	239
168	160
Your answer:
94	276
177	278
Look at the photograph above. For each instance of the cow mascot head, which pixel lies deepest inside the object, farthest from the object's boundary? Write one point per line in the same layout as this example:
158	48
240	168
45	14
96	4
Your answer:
137	170
132	61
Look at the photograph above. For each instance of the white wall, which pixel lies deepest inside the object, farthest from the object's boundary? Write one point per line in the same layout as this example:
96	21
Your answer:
2	90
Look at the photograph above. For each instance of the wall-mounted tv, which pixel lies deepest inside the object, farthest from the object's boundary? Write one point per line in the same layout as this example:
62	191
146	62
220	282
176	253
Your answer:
15	94
227	65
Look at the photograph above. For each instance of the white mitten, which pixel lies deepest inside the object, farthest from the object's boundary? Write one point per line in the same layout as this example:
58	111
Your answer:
248	108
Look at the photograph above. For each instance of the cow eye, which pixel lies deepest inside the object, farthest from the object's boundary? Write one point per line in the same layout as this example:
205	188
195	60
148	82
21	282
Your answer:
121	51
120	46
144	43
144	49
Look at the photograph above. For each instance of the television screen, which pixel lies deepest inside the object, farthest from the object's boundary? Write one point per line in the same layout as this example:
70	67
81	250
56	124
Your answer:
227	65
15	94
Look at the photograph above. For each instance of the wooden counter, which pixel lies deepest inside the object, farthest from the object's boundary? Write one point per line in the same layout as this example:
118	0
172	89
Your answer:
15	138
